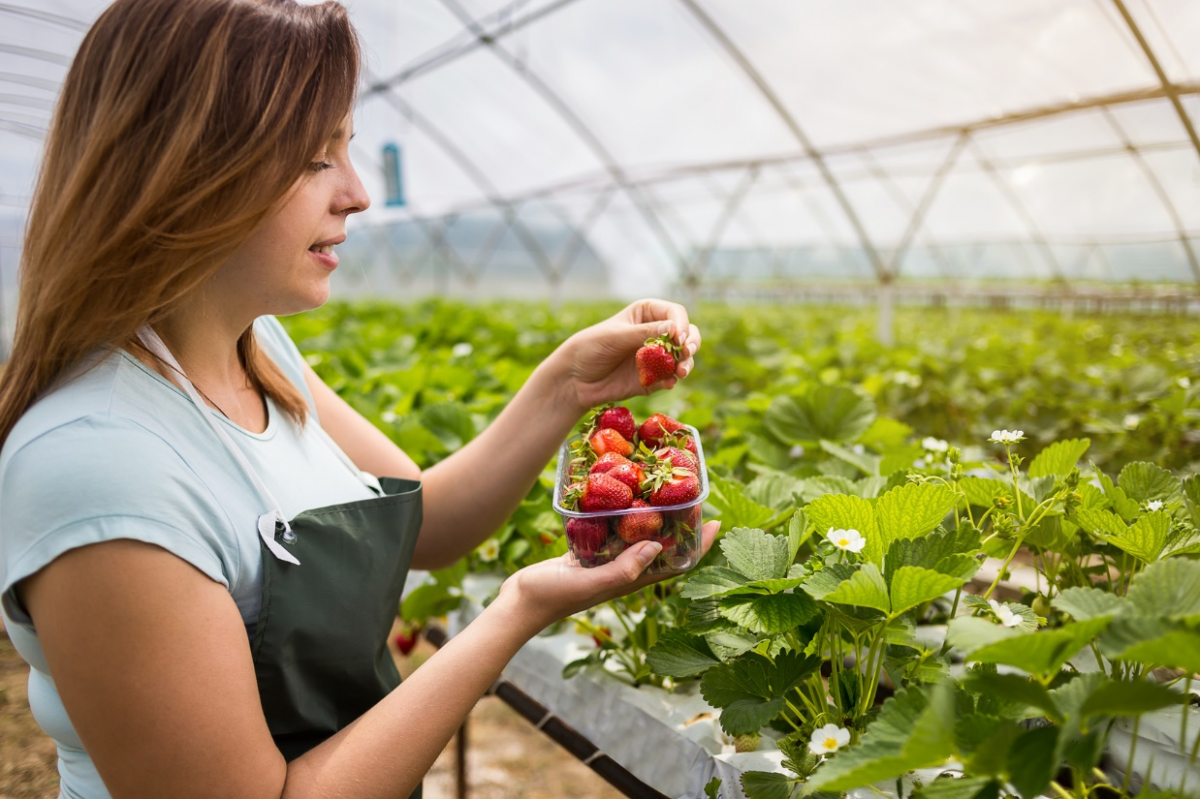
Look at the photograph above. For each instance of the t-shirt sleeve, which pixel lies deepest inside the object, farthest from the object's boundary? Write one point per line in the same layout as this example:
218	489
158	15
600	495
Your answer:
101	479
283	351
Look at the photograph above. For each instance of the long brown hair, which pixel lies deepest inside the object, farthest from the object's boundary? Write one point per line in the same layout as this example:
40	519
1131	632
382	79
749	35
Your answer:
180	125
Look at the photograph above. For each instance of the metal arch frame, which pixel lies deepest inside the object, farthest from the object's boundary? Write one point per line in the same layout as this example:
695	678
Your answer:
443	55
644	207
931	191
1168	87
1159	189
794	128
44	16
28	80
36	53
476	176
732	203
1018	204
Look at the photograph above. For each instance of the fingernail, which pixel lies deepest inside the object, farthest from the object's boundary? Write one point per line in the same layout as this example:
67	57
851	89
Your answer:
649	552
686	371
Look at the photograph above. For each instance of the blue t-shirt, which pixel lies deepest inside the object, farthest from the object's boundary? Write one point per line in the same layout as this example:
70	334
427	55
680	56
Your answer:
116	451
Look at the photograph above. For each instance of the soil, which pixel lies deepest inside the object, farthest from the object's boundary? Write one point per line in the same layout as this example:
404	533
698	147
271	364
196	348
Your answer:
507	757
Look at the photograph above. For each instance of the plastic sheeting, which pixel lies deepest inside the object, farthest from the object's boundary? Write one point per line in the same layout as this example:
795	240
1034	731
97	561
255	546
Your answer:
634	145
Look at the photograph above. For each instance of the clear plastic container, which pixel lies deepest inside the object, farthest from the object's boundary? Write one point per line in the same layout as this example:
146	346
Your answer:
592	537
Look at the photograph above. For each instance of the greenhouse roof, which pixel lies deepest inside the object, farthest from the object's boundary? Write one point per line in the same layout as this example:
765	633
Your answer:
690	141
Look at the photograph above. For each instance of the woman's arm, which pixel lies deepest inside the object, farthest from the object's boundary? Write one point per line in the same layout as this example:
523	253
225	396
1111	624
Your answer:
470	494
153	665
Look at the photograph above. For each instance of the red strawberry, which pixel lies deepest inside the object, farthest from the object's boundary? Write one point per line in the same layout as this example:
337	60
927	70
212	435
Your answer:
587	536
406	640
634	527
679	457
546	539
630	474
607	462
617	418
675	487
601	635
656	428
608	440
657	360
605	493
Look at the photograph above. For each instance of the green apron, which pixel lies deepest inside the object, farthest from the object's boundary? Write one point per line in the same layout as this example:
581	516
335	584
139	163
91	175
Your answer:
332	579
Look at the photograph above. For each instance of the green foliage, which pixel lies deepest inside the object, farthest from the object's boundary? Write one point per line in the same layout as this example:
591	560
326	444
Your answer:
751	690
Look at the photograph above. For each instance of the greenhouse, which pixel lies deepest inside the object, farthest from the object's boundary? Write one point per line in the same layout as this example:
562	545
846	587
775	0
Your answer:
944	256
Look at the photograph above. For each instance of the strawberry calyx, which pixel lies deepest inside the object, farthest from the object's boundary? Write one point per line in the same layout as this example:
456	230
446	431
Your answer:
666	343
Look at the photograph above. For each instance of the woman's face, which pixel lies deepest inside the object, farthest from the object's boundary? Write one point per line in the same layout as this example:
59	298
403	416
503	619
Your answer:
285	266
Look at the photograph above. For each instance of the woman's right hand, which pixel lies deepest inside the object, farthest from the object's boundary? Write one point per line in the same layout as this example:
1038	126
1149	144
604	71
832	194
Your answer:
554	589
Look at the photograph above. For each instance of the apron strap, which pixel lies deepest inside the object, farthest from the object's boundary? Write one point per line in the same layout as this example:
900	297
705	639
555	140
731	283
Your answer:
269	522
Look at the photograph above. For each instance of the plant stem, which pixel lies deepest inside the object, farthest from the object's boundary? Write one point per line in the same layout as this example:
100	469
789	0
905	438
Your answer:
1004	568
1137	720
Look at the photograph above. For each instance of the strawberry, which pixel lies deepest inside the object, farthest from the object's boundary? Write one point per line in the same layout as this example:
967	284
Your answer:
657	360
406	640
634	527
656	428
607	462
630	474
587	536
617	418
682	439
546	539
679	457
674	487
608	440
605	493
601	635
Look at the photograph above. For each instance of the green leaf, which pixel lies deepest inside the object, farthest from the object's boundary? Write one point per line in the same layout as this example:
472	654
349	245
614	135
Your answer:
737	510
1191	498
768	785
451	422
824	582
866	463
948	787
712	581
864	589
1013	688
750	690
728	644
1059	458
677	654
775	490
428	602
1128	698
963	567
1124	507
968	633
1152	641
771	614
845	512
1087	603
914	729
911	511
1043	652
1169	590
1147	537
1032	761
713	789
799	531
1143	482
982	492
815	487
758	555
913	586
835	413
1103	524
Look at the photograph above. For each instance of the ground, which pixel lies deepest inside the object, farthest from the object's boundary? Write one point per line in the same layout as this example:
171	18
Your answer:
507	757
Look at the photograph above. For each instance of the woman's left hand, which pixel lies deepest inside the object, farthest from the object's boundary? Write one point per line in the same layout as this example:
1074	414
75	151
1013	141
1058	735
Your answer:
601	364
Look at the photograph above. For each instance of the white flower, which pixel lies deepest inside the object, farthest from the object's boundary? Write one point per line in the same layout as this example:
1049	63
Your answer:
858	449
1004	614
1132	420
796	451
489	550
462	349
932	444
1007	436
905	378
388	416
1154	505
1184	382
828	739
848	540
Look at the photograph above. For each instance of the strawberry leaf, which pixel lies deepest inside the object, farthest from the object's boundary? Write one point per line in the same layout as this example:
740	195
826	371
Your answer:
771	614
1059	458
757	555
845	512
864	589
1143	482
913	586
678	654
911	511
750	690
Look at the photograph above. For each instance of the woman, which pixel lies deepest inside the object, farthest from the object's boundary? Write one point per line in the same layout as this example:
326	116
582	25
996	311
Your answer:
197	562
